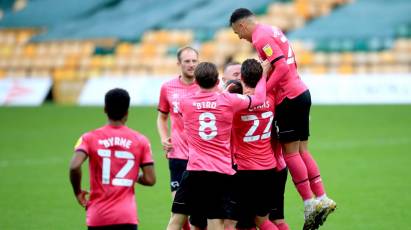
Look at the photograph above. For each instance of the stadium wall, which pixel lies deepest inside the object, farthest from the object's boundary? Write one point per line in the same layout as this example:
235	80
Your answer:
144	90
327	89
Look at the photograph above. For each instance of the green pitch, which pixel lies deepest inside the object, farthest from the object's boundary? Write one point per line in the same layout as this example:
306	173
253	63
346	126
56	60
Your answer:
363	153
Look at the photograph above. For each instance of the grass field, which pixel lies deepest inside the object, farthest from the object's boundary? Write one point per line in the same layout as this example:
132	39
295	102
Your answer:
363	153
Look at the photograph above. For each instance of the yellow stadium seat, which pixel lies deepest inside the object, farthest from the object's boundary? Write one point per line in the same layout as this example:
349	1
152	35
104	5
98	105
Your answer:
124	49
318	69
347	58
2	73
346	69
305	58
96	61
29	50
72	61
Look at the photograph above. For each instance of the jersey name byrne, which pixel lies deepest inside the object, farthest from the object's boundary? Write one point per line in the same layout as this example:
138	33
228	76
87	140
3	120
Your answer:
115	141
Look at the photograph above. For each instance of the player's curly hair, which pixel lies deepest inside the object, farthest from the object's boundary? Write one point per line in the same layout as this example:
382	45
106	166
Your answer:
117	102
251	72
206	75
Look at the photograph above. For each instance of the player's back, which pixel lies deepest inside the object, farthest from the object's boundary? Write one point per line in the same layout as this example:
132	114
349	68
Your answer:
115	155
208	118
252	137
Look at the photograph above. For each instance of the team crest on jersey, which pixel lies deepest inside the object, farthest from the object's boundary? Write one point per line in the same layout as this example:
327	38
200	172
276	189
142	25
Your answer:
267	50
78	143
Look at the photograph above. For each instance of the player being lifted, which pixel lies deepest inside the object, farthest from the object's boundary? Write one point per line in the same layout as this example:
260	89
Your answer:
293	102
259	186
208	116
115	154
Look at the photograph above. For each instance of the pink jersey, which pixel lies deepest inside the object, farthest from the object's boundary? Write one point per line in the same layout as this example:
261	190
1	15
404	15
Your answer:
271	44
208	118
252	137
170	95
115	154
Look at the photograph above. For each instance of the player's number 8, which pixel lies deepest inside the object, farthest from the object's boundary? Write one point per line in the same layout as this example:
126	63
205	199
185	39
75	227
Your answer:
207	121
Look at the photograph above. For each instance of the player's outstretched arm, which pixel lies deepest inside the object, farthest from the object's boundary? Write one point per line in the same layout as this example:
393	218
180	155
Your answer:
75	177
280	71
260	92
148	176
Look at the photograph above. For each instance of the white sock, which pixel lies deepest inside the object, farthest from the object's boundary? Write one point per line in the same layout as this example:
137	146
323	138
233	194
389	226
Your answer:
308	202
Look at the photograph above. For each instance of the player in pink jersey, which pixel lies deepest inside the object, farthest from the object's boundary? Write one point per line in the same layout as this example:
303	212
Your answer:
115	154
175	144
260	180
208	116
292	112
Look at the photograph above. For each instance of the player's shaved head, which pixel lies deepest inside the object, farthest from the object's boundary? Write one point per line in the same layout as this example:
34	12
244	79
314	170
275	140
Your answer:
117	102
251	72
206	75
239	14
243	22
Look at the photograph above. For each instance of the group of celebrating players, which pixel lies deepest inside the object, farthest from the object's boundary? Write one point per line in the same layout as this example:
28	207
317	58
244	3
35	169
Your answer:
230	145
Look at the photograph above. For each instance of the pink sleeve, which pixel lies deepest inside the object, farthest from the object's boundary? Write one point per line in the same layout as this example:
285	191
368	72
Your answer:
280	70
146	157
82	145
269	49
163	105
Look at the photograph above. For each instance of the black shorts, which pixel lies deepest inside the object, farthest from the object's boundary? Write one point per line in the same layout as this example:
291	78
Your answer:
292	117
205	194
177	168
115	227
255	191
277	211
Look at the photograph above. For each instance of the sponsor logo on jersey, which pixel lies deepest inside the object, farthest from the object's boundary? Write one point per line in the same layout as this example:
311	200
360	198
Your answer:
78	143
267	50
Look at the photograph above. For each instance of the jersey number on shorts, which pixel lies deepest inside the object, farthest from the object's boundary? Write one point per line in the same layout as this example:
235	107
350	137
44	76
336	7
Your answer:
119	179
207	121
249	136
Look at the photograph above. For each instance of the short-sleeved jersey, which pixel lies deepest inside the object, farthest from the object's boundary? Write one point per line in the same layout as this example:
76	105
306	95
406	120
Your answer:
271	44
170	95
252	137
115	154
208	118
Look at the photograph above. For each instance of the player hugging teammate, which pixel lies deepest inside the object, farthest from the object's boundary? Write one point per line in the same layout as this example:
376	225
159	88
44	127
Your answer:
235	132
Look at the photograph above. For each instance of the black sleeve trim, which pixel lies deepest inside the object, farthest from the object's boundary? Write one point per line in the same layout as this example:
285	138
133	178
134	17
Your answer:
161	111
82	150
276	59
146	164
249	103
